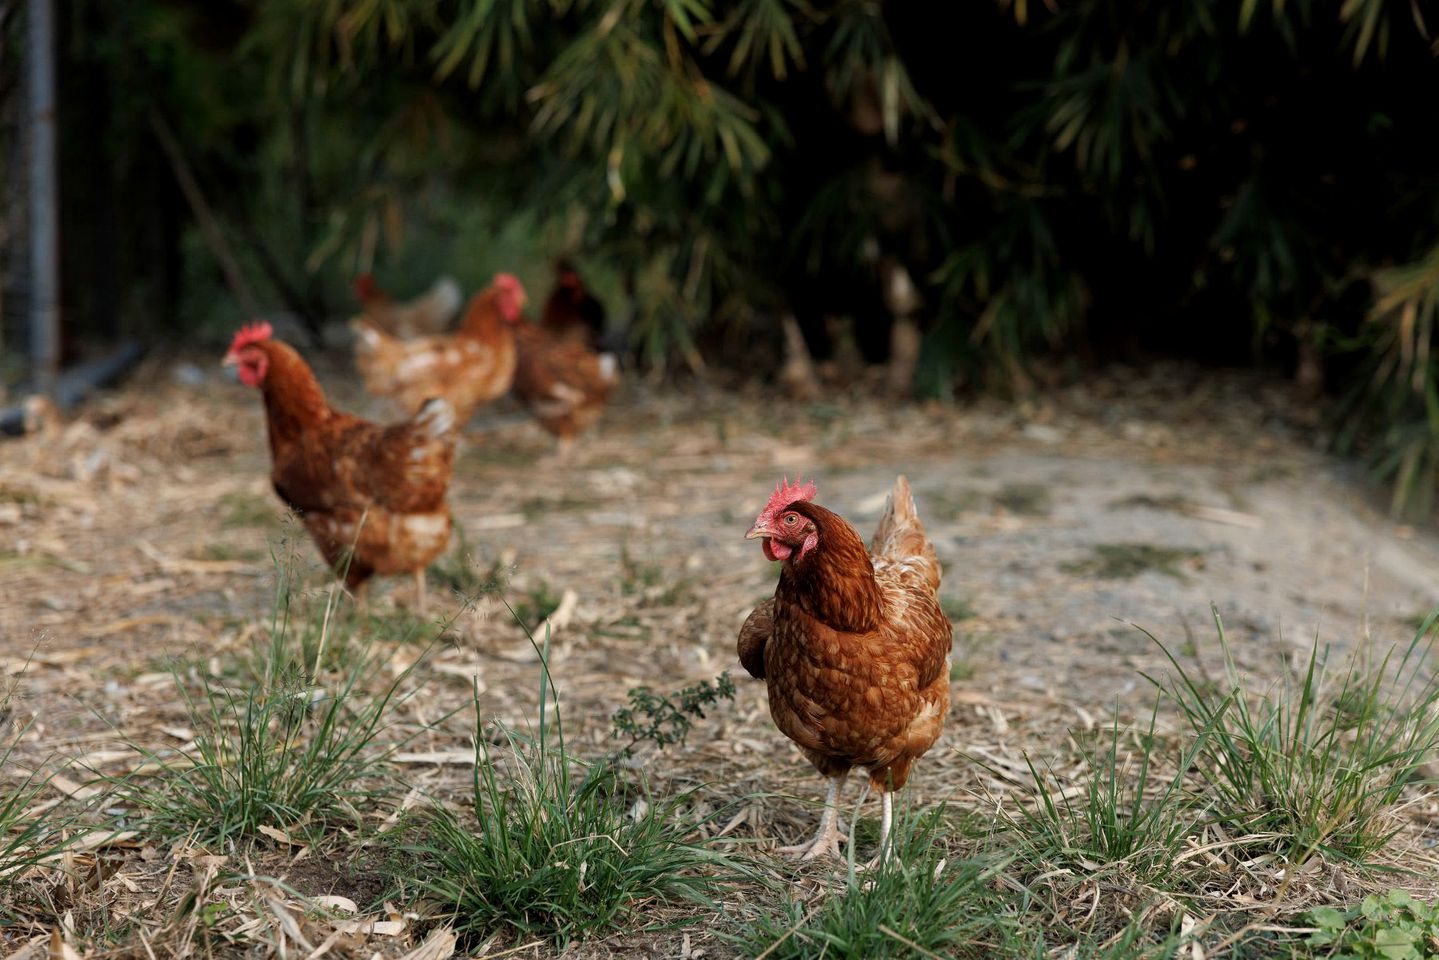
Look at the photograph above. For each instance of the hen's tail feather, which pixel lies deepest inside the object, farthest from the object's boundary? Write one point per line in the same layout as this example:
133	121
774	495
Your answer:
900	536
448	296
609	368
367	337
436	418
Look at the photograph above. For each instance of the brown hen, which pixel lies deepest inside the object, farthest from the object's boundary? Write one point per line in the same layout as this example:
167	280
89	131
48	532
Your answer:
854	647
562	382
430	312
571	310
469	368
371	496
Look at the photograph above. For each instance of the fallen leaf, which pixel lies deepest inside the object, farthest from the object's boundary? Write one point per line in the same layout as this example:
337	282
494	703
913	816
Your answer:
381	928
72	789
337	903
280	836
437	946
459	757
100	839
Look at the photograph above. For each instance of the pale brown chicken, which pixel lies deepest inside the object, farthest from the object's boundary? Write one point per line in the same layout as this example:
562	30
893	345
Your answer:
854	647
469	368
429	313
562	382
371	496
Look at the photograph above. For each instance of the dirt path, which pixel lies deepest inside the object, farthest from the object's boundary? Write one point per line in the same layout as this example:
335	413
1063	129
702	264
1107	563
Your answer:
144	532
146	528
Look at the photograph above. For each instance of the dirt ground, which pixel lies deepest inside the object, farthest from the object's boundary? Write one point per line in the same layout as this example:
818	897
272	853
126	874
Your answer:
143	532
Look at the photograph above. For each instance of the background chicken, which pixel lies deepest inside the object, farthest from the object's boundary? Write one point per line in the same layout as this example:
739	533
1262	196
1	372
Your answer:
562	382
372	497
469	368
430	312
854	647
571	310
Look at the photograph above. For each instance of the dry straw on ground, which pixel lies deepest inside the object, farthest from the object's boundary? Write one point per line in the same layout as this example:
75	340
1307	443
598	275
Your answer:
143	535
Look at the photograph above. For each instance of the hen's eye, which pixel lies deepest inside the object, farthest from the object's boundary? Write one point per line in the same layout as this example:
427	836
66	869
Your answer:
789	519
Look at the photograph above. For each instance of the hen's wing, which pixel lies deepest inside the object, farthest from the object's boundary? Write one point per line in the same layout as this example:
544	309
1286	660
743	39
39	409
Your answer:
753	636
405	467
461	368
558	374
304	475
915	632
388	363
900	542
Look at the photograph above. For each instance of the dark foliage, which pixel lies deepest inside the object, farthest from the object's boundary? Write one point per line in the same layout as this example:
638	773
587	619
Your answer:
1062	182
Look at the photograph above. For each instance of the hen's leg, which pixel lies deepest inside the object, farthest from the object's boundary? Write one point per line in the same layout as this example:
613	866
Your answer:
826	842
420	591
886	822
563	449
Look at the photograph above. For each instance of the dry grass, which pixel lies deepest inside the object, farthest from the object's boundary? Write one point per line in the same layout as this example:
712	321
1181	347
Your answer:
143	541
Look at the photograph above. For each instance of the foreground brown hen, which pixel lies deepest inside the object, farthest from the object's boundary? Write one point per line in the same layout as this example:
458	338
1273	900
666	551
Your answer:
854	647
371	496
469	368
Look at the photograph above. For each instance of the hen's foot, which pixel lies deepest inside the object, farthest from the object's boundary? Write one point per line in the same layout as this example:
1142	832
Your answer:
825	844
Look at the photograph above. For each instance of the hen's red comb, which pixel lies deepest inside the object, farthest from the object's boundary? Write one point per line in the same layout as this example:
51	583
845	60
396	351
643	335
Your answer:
786	493
251	333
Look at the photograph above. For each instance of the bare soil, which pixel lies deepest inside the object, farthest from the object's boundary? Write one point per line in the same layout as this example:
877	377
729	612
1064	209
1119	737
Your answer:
144	532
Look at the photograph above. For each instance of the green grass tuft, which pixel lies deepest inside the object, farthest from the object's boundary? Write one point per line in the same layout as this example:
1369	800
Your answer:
1025	499
1316	763
1121	561
968	647
1121	821
458	572
241	510
1169	503
555	847
922	904
25	840
651	580
536	605
957	609
289	749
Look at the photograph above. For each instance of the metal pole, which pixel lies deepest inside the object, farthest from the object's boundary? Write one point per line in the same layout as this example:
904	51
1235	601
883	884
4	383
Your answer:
44	202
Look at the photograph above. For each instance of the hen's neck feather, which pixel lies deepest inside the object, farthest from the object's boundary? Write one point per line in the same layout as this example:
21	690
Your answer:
293	398
483	318
834	581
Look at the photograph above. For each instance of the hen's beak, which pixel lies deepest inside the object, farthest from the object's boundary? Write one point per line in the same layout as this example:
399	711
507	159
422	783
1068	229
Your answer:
757	531
230	360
